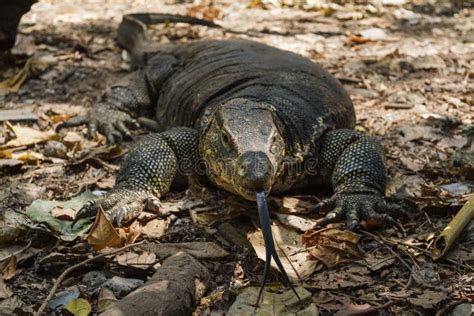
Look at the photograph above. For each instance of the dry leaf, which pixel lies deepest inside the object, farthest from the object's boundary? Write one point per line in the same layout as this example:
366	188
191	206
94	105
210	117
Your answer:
58	118
274	303
28	156
103	233
106	300
9	269
300	223
72	140
33	66
138	259
106	183
298	204
332	246
6	154
205	12
376	262
155	228
66	214
358	39
340	305
26	136
5	292
349	276
295	259
428	299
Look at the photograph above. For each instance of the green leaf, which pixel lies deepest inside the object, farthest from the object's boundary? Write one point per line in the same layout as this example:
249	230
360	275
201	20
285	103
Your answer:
40	212
79	307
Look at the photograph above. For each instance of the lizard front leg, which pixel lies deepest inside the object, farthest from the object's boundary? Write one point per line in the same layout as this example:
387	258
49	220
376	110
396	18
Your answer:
146	174
355	164
132	96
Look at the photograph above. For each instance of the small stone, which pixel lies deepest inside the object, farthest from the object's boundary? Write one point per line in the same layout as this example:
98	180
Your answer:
122	286
374	34
354	67
428	63
94	279
55	149
463	309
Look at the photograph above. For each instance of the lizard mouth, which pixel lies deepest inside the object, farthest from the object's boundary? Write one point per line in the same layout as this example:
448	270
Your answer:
254	172
250	194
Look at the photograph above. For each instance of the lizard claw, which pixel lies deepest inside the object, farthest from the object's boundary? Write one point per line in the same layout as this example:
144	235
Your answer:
120	206
119	216
87	210
113	123
356	206
326	203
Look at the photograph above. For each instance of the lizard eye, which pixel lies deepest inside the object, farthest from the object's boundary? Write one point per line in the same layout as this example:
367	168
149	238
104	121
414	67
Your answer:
225	140
273	146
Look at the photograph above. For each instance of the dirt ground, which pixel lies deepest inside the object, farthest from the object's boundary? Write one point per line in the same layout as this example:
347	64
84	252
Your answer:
408	66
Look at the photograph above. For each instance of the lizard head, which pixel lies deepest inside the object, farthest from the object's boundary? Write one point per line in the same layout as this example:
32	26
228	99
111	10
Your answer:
242	147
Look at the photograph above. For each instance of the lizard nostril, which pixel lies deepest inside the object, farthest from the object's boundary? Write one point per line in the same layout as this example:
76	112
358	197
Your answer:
255	171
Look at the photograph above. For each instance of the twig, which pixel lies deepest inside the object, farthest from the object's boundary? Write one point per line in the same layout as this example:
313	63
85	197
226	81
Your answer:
399	258
429	220
387	244
424	251
74	267
404	286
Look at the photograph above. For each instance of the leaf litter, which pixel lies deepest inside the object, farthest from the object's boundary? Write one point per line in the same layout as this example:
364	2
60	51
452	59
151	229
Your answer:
407	67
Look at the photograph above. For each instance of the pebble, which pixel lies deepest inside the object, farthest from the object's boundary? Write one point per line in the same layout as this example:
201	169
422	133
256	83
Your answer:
94	279
122	286
55	149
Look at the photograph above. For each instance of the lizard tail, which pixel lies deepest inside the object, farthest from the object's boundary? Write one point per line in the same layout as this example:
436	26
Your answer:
133	35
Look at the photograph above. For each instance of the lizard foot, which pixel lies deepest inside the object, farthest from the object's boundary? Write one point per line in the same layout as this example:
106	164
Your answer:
356	206
111	122
120	206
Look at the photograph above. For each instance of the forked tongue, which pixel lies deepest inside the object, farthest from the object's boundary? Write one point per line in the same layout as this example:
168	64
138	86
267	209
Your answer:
270	250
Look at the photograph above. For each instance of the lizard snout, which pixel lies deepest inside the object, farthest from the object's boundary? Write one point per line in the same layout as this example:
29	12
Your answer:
254	171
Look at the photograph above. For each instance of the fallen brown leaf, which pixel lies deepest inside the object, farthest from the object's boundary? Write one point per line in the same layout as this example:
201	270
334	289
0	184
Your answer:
358	39
428	298
9	269
66	214
106	183
26	136
72	140
5	292
341	278
332	246
155	228
103	233
138	259
295	259
106	300
340	305
33	66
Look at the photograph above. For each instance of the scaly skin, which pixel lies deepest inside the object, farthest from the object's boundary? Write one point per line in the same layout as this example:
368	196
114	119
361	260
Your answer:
237	107
249	117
